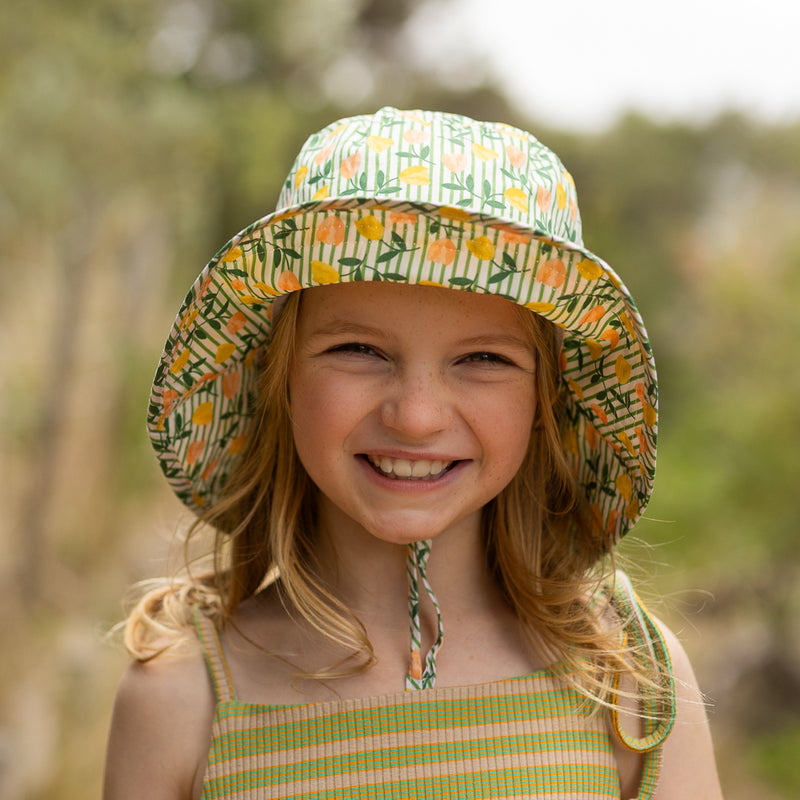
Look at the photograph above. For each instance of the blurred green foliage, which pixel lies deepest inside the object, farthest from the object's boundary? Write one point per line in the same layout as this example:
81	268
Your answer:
137	135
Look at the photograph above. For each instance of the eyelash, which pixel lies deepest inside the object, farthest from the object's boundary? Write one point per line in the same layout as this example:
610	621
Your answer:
485	358
480	358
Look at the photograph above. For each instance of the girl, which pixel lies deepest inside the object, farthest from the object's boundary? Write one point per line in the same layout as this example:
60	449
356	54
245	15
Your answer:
418	414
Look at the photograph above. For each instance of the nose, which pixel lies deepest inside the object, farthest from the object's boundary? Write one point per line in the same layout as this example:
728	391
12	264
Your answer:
417	406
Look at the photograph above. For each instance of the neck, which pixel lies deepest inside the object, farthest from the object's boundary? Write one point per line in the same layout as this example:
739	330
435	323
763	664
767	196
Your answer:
369	575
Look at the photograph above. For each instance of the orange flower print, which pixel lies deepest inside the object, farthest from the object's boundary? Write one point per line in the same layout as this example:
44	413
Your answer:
402	218
592	436
514	237
414	136
544	199
600	413
592	315
231	383
323	154
611	336
552	272
194	451
441	251
238	285
349	166
330	231
168	398
236	322
515	156
209	470
455	162
287	281
204	286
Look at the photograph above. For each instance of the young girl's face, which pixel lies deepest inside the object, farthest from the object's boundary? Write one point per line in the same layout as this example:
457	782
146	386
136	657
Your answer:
411	406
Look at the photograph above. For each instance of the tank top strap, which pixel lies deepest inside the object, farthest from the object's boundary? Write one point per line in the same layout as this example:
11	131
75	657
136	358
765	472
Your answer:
658	707
215	657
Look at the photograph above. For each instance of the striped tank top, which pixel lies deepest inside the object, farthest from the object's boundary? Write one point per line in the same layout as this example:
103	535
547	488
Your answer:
528	737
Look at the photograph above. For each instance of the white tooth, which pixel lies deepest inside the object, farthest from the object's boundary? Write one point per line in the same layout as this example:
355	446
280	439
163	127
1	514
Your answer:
421	469
436	467
402	468
386	465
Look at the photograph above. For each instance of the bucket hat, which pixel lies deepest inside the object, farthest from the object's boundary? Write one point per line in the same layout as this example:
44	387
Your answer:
416	197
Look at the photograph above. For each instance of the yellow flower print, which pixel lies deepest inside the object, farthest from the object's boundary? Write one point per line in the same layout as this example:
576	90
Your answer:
622	369
300	176
266	288
180	362
379	143
203	414
626	442
224	352
649	413
625	486
232	254
561	196
458	214
517	198
416	175
569	441
198	499
370	227
576	388
237	444
481	247
188	318
595	348
432	283
589	269
632	511
322	193
540	307
323	273
483	153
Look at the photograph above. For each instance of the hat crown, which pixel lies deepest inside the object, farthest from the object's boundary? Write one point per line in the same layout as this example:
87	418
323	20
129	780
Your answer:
438	159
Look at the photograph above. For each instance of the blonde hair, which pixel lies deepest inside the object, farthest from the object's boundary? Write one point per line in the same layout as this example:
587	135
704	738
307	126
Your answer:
540	541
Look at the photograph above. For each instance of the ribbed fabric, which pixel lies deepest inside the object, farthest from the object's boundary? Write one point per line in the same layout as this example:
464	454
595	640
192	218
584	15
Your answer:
521	738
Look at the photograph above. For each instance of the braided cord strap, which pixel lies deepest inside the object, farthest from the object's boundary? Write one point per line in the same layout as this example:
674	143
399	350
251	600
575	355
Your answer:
649	647
416	565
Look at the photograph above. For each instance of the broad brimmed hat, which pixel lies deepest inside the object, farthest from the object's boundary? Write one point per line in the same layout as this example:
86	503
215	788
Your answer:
415	197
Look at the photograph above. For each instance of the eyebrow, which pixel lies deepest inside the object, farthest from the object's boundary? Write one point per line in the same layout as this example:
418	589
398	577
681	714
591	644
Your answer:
485	340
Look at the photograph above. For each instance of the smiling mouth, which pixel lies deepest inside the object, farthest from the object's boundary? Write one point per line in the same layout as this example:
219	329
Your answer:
405	469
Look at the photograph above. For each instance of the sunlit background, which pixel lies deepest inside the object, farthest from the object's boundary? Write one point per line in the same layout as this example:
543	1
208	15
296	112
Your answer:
136	136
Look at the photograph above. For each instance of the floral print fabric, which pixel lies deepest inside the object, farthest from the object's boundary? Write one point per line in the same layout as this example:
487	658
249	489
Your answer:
425	198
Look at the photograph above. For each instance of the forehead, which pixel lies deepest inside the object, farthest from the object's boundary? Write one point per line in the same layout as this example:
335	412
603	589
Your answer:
384	304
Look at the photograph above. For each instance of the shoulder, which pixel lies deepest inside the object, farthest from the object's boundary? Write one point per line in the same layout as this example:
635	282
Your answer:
688	767
160	728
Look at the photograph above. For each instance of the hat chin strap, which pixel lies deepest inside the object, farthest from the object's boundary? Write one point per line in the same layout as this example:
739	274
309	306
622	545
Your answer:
417	555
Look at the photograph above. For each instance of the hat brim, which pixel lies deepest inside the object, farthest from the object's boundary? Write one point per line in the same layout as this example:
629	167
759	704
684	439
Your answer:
203	393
